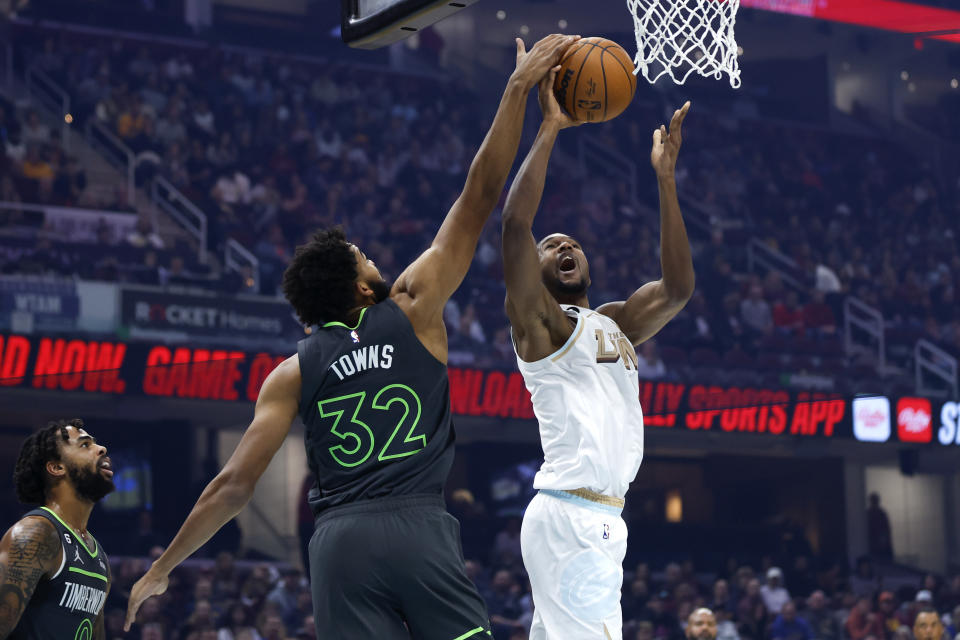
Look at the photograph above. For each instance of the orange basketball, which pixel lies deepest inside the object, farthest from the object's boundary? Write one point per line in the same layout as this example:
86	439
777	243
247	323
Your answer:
595	82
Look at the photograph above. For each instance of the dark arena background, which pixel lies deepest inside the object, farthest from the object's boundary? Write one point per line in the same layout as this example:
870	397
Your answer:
161	159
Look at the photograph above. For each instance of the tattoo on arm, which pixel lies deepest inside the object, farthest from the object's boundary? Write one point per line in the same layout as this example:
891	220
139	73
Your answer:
27	552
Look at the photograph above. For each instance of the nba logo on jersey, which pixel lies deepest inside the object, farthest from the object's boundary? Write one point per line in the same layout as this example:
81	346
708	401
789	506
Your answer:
606	532
355	337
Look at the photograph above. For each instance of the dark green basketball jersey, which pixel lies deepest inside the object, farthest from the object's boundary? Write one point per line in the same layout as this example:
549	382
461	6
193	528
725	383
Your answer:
376	406
66	606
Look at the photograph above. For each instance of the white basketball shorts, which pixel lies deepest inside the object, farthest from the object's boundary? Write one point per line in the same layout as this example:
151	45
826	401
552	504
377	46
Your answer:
573	550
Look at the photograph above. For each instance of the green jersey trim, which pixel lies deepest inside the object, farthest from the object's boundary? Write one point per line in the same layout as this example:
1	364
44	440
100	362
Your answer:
94	553
88	573
354	327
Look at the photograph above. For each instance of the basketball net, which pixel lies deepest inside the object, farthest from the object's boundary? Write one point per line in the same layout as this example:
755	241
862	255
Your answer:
680	37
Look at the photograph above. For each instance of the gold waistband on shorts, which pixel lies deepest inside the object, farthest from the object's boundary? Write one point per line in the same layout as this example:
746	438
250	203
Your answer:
599	498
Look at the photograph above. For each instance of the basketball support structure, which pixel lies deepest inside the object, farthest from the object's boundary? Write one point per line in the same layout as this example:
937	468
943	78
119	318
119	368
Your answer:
371	24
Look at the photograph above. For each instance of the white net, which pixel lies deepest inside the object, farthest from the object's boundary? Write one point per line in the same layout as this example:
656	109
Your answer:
680	37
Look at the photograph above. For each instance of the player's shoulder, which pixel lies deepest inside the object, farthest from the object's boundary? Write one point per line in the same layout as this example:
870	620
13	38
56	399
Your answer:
287	372
33	537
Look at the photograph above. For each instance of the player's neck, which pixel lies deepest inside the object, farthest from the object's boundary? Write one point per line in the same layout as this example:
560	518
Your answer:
572	298
71	509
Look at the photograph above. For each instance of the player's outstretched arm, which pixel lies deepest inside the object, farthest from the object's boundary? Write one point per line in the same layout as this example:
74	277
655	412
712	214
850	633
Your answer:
29	550
435	275
651	306
231	490
537	320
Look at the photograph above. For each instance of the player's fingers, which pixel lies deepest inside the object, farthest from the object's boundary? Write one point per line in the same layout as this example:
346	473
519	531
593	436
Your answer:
683	114
520	49
131	615
656	136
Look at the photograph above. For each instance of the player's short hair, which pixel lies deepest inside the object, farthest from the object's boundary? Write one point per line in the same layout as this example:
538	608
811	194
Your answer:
30	474
319	281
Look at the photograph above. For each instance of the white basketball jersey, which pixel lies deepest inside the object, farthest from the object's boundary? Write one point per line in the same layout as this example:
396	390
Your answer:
586	397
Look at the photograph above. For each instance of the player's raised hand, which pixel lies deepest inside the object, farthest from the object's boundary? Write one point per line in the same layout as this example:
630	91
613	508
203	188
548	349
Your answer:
666	143
533	65
149	585
549	107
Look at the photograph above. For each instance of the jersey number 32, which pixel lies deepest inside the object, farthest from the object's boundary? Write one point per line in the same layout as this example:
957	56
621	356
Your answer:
358	440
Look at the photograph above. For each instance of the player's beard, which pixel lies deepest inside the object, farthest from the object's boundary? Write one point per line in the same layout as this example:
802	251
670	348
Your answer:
89	485
572	288
381	290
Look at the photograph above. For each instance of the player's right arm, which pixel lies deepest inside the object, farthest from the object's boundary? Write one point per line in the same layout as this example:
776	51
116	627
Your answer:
29	550
232	489
426	285
539	324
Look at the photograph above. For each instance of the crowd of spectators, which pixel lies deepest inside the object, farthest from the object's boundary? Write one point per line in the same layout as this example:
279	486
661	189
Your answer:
274	148
226	599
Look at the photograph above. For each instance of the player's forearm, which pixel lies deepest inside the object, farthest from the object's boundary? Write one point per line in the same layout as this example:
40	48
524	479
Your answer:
676	262
219	503
491	166
527	190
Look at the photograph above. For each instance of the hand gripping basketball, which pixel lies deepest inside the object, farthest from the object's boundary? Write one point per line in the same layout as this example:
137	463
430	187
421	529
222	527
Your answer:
533	65
549	107
666	144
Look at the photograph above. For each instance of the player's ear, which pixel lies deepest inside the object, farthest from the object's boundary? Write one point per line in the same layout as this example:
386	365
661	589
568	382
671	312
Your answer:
363	289
56	469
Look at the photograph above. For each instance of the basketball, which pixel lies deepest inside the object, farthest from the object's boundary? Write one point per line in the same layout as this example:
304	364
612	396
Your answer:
595	82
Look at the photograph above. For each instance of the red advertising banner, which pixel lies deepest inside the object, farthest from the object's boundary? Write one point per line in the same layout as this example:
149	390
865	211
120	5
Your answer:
157	370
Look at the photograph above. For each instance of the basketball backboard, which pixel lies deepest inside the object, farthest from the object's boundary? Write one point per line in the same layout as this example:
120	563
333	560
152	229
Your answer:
371	24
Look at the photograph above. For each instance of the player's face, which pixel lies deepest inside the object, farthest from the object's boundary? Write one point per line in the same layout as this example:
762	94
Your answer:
928	626
563	265
368	274
702	625
88	467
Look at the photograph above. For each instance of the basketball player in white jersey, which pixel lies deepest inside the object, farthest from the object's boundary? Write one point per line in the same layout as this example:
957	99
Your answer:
580	366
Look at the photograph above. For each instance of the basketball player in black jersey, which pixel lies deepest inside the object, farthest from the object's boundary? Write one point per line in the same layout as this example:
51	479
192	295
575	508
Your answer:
54	577
371	387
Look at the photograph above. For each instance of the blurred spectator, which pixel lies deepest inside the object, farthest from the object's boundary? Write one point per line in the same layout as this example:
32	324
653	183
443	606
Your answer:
34	131
928	626
823	624
144	234
879	536
887	610
701	625
503	603
755	312
285	594
864	623
773	592
649	364
789	626
817	316
508	540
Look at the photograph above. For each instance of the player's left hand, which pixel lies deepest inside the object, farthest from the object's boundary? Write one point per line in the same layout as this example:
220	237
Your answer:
151	584
552	112
666	144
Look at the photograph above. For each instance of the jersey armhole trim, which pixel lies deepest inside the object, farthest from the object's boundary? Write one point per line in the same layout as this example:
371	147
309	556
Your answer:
559	353
63	559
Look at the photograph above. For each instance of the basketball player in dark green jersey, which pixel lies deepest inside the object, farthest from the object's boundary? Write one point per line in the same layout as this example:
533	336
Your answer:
372	390
54	577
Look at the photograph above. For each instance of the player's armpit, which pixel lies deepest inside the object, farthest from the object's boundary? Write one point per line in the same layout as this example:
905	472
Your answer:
28	551
645	312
